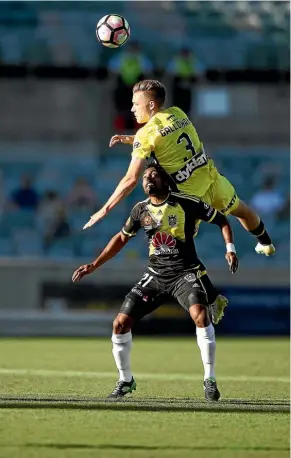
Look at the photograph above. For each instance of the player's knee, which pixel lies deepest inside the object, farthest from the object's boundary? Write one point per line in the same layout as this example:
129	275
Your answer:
122	324
201	321
199	315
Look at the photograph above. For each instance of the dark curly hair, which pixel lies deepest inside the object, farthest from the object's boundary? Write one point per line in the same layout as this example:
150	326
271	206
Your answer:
152	163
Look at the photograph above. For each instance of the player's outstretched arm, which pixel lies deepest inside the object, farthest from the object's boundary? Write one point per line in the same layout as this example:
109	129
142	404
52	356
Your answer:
126	185
231	257
204	212
112	248
125	139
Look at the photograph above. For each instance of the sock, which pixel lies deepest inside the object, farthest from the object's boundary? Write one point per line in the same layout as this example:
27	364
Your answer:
122	344
261	234
207	345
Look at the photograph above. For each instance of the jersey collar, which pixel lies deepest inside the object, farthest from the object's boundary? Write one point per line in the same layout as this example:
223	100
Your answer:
162	203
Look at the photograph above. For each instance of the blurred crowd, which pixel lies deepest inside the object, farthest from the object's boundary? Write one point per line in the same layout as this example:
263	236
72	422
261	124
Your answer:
62	33
132	64
215	35
52	210
271	204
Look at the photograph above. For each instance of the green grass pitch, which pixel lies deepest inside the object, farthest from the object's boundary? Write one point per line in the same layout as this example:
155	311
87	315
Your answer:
52	400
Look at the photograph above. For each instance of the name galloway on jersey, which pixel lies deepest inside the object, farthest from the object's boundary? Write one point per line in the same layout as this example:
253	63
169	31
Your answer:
194	163
177	124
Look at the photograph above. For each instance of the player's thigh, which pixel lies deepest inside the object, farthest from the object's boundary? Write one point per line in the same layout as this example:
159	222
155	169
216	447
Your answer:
145	297
188	290
222	195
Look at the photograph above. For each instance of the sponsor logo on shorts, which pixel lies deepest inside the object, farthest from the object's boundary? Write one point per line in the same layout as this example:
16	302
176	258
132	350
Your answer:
209	210
185	172
230	204
190	277
194	276
137	291
164	243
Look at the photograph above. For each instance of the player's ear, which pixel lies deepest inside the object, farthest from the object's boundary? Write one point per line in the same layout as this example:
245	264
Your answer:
152	104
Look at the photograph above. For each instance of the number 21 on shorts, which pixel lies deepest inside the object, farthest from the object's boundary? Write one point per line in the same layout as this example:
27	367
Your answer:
146	279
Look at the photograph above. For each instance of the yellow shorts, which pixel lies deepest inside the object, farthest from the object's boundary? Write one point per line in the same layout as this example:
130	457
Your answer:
221	195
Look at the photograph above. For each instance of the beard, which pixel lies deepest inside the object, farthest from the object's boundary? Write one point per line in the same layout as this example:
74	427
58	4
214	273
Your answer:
154	191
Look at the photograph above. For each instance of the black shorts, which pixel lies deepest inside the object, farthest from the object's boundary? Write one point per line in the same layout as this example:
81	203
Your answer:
151	292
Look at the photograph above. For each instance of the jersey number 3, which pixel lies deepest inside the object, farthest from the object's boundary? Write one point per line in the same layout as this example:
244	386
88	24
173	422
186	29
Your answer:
189	145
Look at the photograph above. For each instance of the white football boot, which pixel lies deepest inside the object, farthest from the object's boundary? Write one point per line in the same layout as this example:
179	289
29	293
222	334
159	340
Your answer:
267	250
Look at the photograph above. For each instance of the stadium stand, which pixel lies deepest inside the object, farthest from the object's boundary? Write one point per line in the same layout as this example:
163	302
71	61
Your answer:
250	34
22	231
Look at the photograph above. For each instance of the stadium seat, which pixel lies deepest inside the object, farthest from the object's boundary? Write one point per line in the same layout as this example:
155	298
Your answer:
28	243
6	246
62	248
18	219
23	38
91	246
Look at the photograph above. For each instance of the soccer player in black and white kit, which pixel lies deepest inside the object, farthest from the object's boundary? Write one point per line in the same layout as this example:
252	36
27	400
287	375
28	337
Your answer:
174	269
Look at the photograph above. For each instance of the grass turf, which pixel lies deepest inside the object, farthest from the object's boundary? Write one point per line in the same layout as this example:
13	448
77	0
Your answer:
52	401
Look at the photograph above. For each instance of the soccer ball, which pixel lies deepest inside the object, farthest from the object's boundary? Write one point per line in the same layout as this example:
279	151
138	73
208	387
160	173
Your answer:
113	31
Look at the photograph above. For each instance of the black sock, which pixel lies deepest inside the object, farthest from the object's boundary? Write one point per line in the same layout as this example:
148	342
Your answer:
261	234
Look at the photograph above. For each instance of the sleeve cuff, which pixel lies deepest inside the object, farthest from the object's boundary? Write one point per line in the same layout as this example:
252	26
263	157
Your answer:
128	234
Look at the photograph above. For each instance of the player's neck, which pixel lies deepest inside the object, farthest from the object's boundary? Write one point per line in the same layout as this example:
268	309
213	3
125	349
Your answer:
159	200
154	112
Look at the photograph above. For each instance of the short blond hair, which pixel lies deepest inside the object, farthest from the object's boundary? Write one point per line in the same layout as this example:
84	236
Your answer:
156	90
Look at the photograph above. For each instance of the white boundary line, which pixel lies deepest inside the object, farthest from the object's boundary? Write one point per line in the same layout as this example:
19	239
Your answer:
144	376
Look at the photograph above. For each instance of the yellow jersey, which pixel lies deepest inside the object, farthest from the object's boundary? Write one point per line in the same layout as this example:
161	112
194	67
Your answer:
170	137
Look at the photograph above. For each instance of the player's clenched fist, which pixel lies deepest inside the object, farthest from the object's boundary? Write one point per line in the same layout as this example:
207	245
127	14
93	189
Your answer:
82	271
232	261
126	139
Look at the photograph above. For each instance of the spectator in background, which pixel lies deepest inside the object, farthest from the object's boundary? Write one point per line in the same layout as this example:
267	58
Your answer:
185	69
49	207
130	65
82	195
25	197
268	201
57	229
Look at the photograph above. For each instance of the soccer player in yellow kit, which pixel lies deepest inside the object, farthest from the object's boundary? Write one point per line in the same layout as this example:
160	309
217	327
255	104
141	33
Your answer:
170	138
